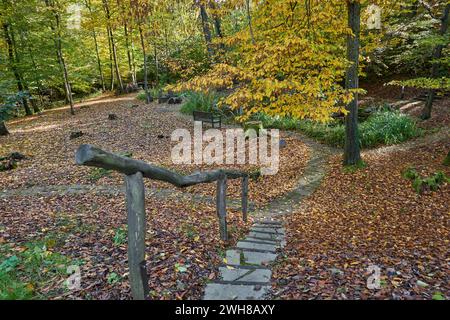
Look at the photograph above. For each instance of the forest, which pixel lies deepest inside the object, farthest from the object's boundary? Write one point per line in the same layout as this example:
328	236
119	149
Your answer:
93	91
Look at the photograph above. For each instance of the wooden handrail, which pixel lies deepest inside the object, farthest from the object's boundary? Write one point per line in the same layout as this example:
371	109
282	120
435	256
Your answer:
89	155
136	171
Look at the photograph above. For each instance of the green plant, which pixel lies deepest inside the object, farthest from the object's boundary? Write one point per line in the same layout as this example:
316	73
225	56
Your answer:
98	173
120	236
24	273
432	183
200	102
410	174
113	278
447	160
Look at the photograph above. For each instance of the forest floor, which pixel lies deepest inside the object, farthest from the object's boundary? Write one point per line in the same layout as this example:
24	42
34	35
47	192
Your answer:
355	219
79	212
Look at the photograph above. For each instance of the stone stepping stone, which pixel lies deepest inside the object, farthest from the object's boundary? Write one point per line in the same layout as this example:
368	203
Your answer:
256	246
233	257
220	291
266	222
241	274
278	243
268	230
258	258
264	235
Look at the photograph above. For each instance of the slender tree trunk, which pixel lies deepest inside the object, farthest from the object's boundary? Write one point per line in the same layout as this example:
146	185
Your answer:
352	151
111	62
37	80
97	52
426	112
206	30
147	94
156	66
57	30
12	62
127	40
249	18
127	45
113	44
3	129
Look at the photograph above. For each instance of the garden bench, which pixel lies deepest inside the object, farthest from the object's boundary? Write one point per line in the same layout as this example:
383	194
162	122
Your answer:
208	117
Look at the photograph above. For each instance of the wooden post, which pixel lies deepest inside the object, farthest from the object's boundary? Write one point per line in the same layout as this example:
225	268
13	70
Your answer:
222	207
244	197
136	235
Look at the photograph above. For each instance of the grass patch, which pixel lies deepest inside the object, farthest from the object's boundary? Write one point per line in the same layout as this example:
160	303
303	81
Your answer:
355	167
26	270
98	173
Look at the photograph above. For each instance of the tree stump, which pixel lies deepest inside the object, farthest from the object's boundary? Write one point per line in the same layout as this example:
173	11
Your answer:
3	129
76	134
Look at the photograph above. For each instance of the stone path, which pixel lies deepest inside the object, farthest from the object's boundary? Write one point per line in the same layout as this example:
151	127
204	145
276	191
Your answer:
247	272
114	190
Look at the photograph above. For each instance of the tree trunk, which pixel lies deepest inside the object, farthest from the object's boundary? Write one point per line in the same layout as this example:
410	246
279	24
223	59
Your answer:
249	18
206	30
156	66
94	36
3	129
113	44
111	62
352	151
35	69
60	56
127	40
15	70
147	94
437	55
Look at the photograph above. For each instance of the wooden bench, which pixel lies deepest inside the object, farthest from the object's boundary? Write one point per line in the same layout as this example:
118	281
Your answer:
208	117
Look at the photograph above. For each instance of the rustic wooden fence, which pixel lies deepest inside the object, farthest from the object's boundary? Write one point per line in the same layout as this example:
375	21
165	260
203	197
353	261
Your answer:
135	171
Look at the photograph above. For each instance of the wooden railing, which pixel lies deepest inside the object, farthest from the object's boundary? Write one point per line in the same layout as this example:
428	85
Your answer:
135	171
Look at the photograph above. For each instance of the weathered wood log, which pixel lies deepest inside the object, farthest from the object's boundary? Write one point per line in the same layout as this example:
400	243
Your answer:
136	235
89	155
221	206
3	129
244	198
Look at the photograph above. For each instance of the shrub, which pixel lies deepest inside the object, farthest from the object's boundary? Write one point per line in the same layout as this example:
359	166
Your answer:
382	128
200	102
432	183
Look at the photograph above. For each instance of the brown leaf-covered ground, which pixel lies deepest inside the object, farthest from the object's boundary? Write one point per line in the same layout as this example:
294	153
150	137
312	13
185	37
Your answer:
45	140
371	217
183	245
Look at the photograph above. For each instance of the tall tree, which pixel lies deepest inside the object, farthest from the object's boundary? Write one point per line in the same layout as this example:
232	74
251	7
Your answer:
113	43
13	65
205	28
437	55
94	37
140	13
56	28
352	153
249	19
